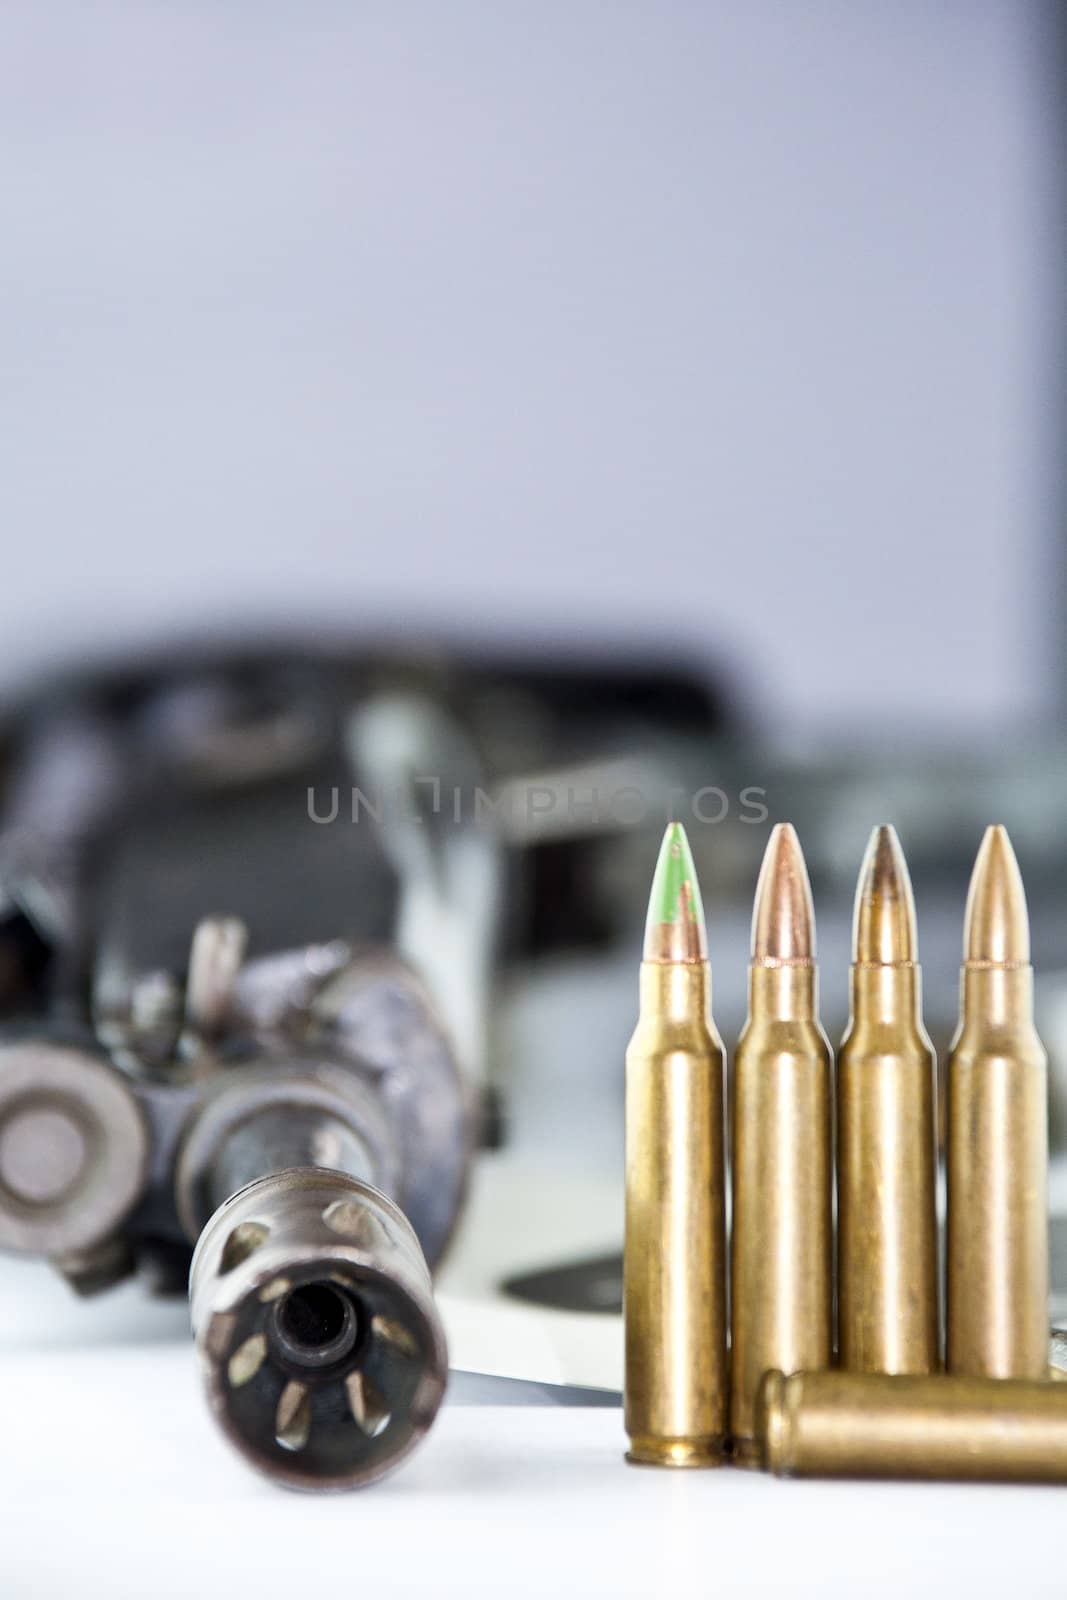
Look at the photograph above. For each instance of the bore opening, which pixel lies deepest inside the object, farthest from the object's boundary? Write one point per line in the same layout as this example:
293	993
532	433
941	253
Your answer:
315	1325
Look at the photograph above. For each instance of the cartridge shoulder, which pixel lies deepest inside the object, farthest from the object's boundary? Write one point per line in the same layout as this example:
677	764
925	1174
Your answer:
671	1036
802	1038
875	1043
988	1047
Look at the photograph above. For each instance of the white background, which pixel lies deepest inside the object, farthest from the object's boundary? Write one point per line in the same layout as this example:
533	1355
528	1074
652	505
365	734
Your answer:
723	324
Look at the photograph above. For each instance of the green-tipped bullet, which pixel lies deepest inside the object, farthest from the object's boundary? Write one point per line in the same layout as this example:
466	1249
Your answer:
675	930
675	1255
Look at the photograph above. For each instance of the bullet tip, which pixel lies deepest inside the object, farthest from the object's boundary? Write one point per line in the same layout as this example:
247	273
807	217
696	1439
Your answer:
996	927
675	930
883	925
783	920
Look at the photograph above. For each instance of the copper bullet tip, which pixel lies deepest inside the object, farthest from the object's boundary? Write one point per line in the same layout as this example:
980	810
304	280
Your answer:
675	930
783	919
883	925
996	927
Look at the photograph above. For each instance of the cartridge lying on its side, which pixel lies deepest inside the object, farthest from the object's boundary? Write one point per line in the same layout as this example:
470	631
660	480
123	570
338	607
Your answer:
675	1250
886	1139
997	1275
781	1251
874	1425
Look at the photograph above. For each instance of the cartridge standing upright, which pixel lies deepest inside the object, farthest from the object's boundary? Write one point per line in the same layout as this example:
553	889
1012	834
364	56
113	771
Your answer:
675	1250
997	1269
887	1295
782	1252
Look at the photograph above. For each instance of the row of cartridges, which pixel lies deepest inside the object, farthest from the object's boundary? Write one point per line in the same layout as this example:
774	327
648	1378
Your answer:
770	1375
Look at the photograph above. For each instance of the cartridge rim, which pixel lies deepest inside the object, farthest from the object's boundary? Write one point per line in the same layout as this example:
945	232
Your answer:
677	1452
771	1430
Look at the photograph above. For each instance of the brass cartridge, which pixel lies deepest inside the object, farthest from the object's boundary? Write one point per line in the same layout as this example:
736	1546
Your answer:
674	1266
781	1304
997	1277
876	1425
887	1279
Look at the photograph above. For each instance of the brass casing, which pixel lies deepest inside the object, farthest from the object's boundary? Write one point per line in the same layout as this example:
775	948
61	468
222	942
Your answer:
781	1305
675	1252
873	1425
887	1279
997	1278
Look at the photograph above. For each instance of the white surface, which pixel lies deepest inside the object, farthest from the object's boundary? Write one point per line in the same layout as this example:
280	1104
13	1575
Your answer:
523	1215
127	1492
465	314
